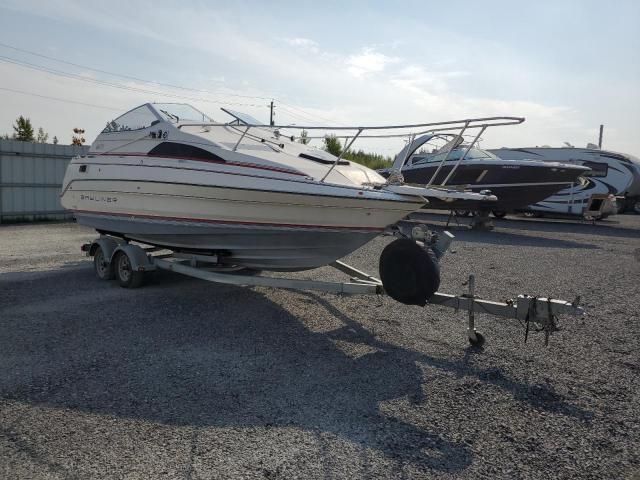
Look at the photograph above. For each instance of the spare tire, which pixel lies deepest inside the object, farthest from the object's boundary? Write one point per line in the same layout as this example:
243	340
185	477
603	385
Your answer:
409	273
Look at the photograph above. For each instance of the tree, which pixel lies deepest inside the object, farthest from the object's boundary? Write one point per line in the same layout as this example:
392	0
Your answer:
77	139
42	136
23	130
55	140
304	137
332	145
371	160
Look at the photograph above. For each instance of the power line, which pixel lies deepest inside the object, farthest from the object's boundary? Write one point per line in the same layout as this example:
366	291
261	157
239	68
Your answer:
129	77
154	82
295	115
307	116
61	99
116	85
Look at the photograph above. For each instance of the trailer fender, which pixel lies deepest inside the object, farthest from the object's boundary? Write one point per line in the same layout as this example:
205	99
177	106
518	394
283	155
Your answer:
108	246
139	259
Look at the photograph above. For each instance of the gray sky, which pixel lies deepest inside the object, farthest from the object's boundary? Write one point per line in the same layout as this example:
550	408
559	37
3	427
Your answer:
566	66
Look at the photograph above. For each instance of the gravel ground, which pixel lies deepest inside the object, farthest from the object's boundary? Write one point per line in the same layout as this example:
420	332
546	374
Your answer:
186	379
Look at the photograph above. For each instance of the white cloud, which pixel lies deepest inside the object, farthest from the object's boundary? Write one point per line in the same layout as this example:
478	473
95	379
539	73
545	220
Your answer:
368	61
301	42
418	79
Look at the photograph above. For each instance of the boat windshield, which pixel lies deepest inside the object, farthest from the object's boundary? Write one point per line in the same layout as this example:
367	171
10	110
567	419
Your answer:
136	119
474	154
180	112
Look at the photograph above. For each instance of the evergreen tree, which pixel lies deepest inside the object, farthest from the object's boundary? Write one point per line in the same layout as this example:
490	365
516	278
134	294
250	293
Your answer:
371	160
304	137
23	130
55	140
42	136
332	145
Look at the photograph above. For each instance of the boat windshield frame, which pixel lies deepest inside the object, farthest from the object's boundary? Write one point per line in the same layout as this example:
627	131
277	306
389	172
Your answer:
115	127
162	110
422	158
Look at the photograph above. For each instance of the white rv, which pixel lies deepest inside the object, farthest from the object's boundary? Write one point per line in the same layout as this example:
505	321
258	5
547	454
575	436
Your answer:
612	175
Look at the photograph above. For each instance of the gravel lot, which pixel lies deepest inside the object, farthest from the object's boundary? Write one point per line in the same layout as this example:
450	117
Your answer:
186	379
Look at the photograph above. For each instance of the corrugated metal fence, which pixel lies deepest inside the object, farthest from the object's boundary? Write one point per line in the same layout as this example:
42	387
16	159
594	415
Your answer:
31	176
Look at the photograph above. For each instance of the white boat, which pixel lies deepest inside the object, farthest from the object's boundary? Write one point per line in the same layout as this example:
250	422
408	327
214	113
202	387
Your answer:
613	176
169	176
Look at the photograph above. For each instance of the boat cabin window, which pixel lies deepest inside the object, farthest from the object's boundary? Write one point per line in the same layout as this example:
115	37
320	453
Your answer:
184	151
598	169
136	119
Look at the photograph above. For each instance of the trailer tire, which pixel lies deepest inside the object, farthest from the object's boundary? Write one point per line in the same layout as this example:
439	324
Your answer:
127	277
409	273
102	266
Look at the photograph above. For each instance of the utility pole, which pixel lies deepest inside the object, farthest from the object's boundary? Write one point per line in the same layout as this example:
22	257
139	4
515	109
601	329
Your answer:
271	114
600	137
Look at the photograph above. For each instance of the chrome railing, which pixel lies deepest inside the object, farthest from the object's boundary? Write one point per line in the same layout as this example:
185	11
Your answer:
410	131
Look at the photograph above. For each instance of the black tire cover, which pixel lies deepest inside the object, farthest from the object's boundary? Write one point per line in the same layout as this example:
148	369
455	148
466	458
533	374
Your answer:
409	273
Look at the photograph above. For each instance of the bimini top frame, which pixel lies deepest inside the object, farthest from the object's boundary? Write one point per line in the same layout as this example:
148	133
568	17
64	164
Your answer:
461	126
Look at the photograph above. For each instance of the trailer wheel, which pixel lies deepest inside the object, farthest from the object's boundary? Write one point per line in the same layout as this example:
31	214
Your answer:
127	278
478	342
102	266
499	213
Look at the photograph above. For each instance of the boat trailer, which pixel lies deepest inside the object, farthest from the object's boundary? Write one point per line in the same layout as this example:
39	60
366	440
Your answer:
129	262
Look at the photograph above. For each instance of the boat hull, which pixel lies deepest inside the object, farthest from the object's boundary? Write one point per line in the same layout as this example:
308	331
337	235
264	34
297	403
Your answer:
515	185
253	246
268	230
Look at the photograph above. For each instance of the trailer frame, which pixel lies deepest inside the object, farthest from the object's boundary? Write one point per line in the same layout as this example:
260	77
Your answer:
539	313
